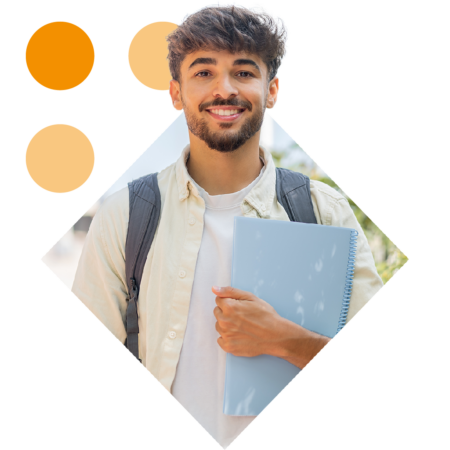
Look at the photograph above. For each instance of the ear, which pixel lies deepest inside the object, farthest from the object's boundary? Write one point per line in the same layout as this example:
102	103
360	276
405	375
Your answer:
175	93
272	93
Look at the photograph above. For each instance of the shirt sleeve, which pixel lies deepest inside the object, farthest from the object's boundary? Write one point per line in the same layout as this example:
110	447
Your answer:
331	208
100	280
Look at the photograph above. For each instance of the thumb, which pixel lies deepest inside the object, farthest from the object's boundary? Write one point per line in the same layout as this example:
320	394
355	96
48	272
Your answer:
232	292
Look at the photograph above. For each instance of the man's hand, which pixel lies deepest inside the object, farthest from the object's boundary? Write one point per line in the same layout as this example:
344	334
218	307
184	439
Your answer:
249	326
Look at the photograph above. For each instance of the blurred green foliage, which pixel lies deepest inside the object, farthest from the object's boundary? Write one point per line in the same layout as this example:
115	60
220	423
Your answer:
388	258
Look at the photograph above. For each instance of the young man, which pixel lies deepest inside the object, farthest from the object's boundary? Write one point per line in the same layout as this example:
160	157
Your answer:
224	62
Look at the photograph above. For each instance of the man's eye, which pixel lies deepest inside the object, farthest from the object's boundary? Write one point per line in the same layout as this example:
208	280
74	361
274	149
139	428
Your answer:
202	74
244	74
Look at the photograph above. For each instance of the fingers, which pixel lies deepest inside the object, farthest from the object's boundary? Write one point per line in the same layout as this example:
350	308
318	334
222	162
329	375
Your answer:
218	314
224	303
224	328
232	292
220	341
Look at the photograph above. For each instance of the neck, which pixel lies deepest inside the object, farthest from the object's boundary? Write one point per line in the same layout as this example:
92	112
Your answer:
224	173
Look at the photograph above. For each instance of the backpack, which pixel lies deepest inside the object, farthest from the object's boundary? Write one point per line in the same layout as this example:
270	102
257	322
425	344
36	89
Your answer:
293	193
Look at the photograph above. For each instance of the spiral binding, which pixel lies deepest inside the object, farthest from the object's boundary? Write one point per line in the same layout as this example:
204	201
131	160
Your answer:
348	281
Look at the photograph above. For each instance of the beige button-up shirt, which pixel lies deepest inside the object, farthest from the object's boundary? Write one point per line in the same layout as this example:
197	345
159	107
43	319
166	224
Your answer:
166	285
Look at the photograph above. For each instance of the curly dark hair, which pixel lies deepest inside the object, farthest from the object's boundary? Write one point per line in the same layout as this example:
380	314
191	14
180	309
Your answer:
231	28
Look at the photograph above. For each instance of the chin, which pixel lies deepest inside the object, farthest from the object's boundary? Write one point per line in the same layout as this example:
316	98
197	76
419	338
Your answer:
223	147
224	141
225	125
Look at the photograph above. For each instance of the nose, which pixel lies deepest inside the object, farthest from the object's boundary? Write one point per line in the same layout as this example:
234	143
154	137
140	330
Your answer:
225	87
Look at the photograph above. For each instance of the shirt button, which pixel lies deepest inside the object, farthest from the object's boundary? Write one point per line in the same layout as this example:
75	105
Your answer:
191	220
172	334
181	273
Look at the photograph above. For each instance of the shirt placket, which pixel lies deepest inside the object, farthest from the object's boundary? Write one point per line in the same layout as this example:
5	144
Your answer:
194	217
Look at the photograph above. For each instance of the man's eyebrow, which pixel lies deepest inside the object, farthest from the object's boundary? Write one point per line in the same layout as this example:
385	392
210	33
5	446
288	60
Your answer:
246	62
237	62
203	61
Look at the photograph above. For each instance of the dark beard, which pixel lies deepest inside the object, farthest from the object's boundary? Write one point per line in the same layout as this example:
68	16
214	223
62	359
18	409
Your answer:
223	141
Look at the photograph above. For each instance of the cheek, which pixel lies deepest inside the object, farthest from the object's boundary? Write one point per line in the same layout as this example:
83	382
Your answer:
195	94
256	96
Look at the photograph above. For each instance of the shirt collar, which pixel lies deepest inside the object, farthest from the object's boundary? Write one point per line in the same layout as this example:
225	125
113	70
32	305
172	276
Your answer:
183	181
260	198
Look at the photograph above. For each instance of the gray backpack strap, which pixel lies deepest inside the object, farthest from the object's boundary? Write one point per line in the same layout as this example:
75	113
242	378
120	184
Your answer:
293	193
145	208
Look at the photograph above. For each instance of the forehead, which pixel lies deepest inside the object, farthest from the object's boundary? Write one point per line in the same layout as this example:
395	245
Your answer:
222	58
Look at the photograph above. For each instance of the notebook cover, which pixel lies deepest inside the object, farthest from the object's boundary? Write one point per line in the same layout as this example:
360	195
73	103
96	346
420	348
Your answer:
302	271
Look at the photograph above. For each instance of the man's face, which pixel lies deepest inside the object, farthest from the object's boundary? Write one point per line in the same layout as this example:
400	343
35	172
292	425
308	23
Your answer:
223	96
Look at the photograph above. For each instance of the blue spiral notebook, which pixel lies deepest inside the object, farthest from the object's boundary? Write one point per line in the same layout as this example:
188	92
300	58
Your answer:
305	272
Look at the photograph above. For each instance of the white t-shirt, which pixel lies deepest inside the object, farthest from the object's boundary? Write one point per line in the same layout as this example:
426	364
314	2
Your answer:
200	377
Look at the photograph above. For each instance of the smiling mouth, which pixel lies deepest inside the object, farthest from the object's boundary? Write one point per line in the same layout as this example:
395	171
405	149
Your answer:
225	113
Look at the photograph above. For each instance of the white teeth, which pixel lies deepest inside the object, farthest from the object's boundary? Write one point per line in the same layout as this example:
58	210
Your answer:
224	112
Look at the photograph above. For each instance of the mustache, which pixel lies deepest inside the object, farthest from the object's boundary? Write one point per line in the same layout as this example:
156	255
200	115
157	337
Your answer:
223	102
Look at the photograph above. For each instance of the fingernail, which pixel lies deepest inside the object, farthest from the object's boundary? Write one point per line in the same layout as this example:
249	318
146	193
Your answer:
217	288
